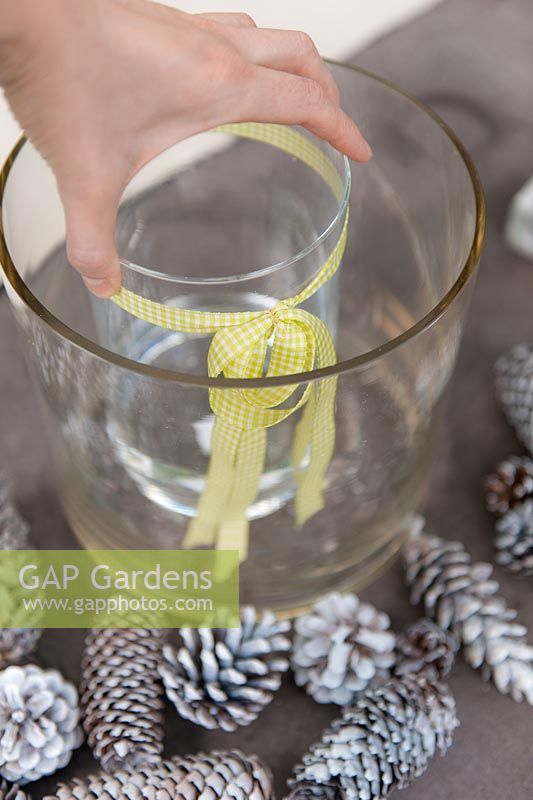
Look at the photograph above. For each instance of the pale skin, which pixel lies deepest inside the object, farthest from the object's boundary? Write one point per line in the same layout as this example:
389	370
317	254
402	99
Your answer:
101	87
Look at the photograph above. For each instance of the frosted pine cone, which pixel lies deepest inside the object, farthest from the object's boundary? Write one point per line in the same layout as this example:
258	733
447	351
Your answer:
425	649
122	697
463	598
223	678
13	529
510	486
228	776
383	742
39	718
16	644
514	384
514	540
13	792
341	647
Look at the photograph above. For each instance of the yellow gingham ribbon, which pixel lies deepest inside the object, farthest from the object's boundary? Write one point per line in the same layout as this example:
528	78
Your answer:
292	340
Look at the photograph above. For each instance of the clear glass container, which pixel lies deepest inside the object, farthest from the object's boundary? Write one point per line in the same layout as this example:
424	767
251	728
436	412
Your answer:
232	225
127	408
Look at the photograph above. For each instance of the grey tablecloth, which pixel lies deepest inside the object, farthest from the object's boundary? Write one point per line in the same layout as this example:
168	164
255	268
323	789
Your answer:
472	60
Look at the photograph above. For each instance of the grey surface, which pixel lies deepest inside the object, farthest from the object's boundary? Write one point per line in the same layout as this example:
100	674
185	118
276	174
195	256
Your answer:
472	60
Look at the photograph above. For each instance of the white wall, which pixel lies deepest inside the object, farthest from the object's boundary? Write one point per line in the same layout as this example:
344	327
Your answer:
338	27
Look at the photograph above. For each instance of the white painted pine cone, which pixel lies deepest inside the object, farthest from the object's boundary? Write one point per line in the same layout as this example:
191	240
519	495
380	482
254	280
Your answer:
212	776
383	742
463	598
16	644
223	678
12	792
39	723
341	647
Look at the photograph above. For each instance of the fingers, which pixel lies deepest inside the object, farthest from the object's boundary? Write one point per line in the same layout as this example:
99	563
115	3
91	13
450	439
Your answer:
90	220
287	51
234	20
272	96
288	82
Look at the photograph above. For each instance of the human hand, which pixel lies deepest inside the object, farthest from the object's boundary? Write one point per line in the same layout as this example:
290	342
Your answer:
103	86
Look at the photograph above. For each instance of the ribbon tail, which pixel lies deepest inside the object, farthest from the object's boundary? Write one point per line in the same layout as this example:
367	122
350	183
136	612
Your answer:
234	528
315	434
203	528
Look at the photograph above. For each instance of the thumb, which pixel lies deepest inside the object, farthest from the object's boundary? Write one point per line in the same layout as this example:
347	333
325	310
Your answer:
90	220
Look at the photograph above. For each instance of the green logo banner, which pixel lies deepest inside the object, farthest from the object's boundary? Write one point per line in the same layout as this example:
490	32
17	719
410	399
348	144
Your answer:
119	588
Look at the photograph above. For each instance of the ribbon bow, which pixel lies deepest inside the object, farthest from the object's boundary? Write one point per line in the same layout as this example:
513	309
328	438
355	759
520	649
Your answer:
299	340
284	340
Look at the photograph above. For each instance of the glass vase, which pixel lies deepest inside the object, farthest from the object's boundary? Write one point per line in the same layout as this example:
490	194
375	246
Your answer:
219	224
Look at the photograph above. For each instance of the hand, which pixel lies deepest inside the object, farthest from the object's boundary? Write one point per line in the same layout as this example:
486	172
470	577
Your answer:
103	86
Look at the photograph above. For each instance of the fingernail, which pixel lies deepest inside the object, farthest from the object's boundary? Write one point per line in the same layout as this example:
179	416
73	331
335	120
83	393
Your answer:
101	287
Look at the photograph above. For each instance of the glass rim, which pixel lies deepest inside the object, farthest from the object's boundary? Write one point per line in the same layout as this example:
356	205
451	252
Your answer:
339	368
260	272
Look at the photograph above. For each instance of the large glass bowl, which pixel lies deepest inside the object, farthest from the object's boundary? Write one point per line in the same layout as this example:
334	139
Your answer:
129	429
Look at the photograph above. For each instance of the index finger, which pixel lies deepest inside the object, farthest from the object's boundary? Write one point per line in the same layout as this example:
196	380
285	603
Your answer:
280	97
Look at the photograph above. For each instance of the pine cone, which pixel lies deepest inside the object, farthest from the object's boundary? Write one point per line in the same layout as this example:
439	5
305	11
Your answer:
425	649
514	385
223	678
341	647
122	697
16	644
514	540
13	792
462	598
510	486
38	723
225	775
13	529
384	741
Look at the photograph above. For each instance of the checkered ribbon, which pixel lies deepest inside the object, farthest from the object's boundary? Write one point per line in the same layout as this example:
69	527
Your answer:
291	340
